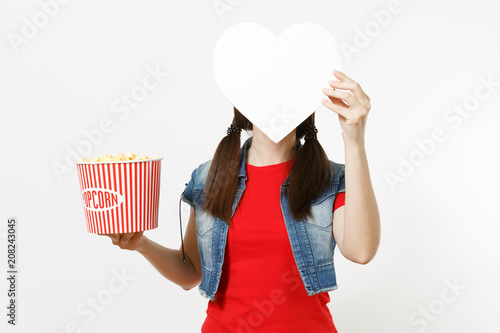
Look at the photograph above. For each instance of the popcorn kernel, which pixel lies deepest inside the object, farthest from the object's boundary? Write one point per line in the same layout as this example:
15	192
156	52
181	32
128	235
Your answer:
128	156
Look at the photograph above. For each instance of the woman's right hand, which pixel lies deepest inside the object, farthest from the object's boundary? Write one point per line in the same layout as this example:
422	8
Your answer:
132	241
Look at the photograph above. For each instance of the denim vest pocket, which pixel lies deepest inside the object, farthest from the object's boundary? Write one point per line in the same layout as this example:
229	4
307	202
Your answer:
322	208
204	221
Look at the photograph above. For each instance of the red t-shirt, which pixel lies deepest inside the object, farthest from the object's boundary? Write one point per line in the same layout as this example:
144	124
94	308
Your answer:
260	289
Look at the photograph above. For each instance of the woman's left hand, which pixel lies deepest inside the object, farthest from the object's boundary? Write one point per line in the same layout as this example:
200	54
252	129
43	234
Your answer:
351	108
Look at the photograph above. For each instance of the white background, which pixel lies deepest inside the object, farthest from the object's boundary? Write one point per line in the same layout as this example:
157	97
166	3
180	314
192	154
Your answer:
439	222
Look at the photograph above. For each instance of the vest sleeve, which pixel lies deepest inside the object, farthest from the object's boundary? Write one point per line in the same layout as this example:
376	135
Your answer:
187	194
341	187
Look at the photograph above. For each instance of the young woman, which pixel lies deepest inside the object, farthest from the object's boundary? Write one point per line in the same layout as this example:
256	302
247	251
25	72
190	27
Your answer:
265	220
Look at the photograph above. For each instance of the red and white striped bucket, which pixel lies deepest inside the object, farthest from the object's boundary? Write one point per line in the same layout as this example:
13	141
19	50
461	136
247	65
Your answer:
120	196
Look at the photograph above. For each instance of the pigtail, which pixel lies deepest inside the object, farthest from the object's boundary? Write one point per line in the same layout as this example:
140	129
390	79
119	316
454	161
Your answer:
311	171
222	178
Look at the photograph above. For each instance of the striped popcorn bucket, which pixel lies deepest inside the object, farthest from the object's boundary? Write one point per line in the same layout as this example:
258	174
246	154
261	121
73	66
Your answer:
120	196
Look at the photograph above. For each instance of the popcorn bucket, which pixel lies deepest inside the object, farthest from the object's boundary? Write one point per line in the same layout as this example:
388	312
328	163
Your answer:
120	196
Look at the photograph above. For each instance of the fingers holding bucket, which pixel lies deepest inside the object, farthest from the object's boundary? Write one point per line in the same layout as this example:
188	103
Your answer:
125	238
126	241
115	238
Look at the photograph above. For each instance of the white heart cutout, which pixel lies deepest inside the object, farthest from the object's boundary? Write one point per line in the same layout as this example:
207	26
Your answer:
275	82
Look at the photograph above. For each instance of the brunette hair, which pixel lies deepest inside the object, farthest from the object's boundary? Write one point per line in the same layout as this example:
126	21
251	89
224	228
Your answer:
309	175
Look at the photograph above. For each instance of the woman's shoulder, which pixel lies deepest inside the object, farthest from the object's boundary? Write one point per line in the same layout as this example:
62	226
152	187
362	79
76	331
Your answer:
201	171
338	170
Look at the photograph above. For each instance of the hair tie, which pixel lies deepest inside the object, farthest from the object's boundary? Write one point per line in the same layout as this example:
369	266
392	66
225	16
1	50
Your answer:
233	128
311	131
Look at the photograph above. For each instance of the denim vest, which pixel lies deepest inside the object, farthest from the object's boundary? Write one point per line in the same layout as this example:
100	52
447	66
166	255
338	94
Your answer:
311	240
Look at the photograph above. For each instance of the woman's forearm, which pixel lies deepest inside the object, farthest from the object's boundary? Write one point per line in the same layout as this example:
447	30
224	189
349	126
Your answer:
361	219
170	264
